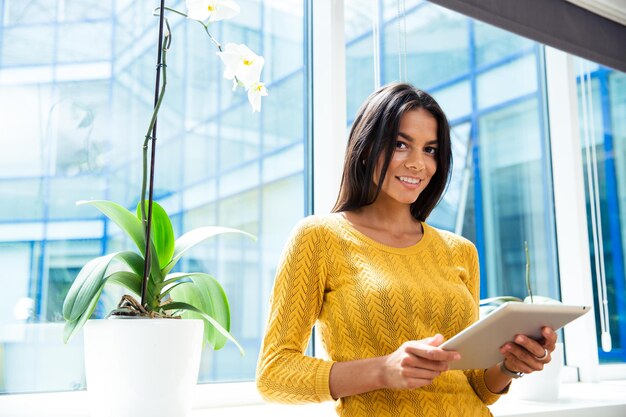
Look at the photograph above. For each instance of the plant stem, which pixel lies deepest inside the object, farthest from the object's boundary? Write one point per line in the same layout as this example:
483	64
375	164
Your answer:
528	286
215	42
146	218
148	136
155	11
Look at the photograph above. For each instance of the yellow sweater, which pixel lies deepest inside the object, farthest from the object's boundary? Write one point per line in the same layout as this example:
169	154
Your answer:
367	299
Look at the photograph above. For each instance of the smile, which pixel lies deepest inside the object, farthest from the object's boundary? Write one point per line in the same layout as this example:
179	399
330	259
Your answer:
409	180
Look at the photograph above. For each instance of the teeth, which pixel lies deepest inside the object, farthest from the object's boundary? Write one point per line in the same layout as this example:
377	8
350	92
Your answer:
409	180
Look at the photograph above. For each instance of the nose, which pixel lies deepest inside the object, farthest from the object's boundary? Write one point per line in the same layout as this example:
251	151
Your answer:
415	162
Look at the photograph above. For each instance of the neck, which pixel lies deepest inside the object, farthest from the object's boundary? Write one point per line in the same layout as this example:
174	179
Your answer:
391	216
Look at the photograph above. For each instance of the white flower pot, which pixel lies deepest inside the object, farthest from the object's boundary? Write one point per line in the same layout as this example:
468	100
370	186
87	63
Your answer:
142	367
543	385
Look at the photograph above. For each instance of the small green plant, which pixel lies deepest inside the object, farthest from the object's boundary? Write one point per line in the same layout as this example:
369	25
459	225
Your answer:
168	294
148	274
487	305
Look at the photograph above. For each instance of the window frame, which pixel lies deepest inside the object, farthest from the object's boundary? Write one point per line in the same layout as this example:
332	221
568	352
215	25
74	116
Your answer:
570	211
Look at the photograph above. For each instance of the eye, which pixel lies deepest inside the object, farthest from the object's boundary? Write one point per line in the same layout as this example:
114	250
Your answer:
401	145
431	150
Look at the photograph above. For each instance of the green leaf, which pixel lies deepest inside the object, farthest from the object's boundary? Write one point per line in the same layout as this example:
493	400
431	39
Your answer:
133	260
86	287
195	236
132	226
128	222
162	233
205	293
187	292
129	280
177	305
73	326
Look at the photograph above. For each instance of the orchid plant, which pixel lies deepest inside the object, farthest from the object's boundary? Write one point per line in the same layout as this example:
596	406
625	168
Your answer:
148	273
487	305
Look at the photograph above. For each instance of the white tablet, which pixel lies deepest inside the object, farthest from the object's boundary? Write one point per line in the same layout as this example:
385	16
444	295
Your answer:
479	344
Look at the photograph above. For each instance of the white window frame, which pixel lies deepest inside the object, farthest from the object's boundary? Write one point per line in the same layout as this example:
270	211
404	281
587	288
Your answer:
571	218
570	211
329	102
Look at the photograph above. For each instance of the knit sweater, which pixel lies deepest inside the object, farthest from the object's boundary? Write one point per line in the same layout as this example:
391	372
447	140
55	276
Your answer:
367	299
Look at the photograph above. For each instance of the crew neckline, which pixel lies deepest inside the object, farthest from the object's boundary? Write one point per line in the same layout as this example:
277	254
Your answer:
423	242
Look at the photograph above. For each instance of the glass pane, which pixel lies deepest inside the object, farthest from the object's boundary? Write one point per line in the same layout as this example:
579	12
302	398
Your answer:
85	42
437	42
76	133
87	9
514	173
360	66
27	45
494	44
495	86
20	12
603	126
26	197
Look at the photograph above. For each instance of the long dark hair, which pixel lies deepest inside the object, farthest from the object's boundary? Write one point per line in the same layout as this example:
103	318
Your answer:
374	133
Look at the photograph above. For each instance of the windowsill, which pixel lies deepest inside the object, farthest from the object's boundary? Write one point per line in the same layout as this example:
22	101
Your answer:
576	400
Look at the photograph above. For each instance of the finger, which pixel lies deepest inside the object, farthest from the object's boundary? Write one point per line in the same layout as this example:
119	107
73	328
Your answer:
515	364
536	350
435	340
432	353
523	359
416	362
550	338
420	373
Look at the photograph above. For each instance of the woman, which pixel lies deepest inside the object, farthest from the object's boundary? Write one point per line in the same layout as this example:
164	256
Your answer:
385	288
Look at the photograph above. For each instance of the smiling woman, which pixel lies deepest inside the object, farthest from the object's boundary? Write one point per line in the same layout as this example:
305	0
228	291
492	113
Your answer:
384	287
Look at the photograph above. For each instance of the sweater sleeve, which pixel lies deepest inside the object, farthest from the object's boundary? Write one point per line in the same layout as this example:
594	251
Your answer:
476	377
284	373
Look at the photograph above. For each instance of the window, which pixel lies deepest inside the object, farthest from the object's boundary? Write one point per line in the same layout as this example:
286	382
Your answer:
78	81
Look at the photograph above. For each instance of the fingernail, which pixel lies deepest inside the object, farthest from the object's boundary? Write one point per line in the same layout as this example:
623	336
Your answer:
520	339
457	356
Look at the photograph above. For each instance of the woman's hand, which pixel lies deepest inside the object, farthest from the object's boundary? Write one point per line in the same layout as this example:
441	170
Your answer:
527	355
416	363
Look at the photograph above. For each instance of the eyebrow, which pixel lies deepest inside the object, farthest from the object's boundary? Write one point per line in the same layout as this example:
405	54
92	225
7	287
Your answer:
410	139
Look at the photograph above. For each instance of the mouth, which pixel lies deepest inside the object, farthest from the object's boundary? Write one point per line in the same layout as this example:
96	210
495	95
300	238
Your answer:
410	181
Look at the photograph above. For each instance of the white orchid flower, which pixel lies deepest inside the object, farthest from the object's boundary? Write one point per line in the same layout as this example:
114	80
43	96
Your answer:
255	92
211	10
241	63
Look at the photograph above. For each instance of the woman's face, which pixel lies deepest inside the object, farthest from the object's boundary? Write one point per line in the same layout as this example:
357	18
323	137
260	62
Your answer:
414	161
